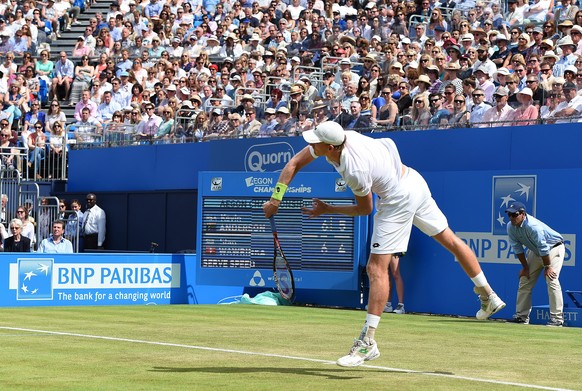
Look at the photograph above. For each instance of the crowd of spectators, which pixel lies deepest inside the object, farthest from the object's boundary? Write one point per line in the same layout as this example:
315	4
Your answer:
196	70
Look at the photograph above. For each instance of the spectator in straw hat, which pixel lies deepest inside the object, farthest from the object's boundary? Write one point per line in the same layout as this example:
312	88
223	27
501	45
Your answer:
502	52
452	78
568	57
247	102
433	71
235	126
547	44
232	47
320	112
296	100
251	125
284	122
483	60
423	85
500	77
547	69
267	129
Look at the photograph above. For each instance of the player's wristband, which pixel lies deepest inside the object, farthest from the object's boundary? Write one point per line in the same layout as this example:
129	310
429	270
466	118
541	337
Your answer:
280	189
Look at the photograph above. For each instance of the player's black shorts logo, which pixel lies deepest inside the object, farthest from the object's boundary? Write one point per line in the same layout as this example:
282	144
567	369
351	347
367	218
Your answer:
376	245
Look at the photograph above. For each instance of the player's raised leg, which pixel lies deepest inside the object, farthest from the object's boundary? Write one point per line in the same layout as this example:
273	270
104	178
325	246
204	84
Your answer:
365	347
490	302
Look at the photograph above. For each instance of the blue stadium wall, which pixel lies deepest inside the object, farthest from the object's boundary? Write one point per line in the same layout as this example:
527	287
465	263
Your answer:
153	190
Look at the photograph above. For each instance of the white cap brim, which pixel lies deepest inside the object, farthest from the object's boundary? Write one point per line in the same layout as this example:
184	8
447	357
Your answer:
310	137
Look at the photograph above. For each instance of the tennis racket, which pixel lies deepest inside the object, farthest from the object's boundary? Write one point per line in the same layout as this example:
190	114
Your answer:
281	269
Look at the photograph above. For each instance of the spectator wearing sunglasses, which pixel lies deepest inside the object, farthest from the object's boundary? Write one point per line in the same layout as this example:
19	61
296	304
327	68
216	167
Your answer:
16	243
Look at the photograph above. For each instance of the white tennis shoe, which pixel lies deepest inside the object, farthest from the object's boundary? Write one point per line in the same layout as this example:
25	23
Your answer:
400	309
362	350
490	306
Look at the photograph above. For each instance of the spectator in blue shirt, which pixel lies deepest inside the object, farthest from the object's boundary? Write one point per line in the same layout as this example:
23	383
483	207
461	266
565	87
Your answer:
440	116
546	253
56	243
153	9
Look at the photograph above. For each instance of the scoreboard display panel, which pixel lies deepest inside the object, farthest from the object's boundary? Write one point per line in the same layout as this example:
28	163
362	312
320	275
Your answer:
235	243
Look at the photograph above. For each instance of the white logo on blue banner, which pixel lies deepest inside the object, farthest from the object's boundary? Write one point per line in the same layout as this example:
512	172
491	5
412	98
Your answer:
340	185
216	184
35	279
257	279
507	189
270	157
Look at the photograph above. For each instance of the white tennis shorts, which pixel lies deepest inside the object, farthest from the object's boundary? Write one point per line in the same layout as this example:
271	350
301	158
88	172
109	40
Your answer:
411	204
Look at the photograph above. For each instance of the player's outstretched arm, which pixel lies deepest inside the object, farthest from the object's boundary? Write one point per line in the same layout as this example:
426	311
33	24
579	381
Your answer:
297	162
363	206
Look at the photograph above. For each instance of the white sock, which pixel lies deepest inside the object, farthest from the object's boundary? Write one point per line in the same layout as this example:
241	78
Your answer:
480	280
482	285
370	326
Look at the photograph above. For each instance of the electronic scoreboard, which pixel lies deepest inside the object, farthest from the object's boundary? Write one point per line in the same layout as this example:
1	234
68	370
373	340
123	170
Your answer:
235	244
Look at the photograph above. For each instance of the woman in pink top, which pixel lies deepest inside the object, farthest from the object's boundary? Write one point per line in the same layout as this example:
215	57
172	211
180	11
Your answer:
526	113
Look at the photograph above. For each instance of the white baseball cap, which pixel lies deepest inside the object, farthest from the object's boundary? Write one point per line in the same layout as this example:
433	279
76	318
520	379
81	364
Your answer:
328	132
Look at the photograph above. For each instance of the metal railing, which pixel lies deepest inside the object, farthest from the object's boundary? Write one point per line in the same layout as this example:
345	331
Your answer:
184	130
47	211
46	159
73	228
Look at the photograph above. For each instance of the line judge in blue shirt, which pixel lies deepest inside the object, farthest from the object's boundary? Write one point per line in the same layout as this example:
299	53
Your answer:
56	243
546	253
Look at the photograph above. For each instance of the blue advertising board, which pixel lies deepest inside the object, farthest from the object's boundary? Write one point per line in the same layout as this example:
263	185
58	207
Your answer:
33	279
473	202
235	243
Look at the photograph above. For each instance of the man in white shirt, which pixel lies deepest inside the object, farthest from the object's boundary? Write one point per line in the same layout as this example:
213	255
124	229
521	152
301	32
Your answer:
64	74
373	166
87	128
570	107
537	12
118	94
93	228
501	114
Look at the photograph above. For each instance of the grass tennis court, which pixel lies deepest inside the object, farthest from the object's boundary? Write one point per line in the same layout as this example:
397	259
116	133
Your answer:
243	347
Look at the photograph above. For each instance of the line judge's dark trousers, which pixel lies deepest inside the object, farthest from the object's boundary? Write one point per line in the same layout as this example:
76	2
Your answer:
90	242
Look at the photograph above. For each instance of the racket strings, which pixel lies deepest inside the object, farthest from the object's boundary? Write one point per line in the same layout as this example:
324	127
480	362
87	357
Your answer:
283	277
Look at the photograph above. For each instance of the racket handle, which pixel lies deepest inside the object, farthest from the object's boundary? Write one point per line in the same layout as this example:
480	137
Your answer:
272	222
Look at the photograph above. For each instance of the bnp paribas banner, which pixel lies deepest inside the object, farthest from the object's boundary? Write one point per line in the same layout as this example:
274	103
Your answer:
477	203
34	279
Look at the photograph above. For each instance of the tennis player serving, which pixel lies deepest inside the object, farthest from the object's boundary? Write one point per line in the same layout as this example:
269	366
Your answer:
373	166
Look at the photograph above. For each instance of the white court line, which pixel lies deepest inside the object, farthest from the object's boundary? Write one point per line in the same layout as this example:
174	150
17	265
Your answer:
474	379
